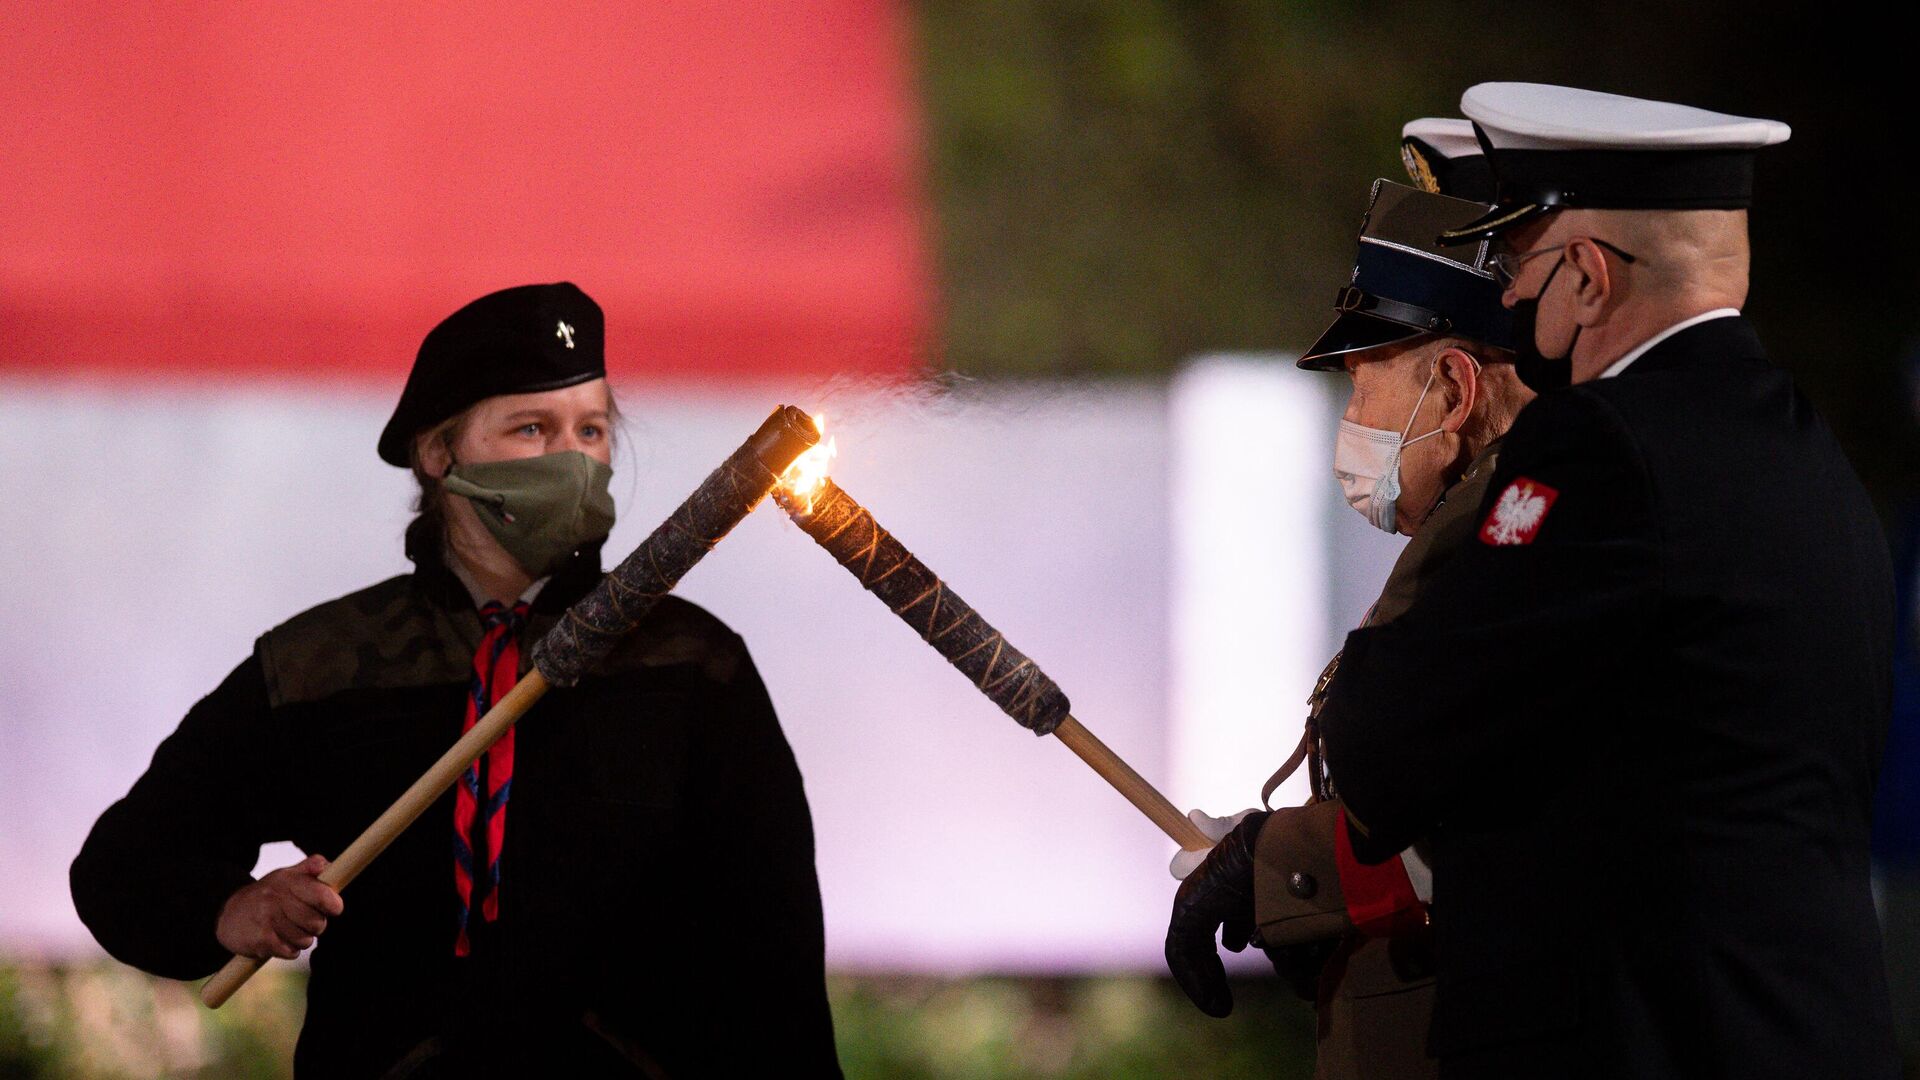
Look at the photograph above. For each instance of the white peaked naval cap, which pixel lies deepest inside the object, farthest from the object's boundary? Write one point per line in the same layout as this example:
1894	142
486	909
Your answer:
1558	147
1535	116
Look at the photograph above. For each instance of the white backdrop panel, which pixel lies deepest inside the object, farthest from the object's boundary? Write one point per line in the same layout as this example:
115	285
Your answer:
154	531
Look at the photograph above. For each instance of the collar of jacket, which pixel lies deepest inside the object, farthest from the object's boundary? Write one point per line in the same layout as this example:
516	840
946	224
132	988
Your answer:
1716	340
437	581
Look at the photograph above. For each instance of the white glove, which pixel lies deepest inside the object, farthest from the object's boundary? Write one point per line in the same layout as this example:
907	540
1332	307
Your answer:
1419	873
1216	829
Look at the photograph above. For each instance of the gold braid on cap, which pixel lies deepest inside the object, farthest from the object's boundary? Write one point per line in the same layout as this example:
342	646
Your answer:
1488	227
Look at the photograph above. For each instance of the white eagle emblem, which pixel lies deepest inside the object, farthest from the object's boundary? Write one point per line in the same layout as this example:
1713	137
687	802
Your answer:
1517	515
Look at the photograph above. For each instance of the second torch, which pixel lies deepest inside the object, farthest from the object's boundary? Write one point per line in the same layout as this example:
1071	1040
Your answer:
1003	673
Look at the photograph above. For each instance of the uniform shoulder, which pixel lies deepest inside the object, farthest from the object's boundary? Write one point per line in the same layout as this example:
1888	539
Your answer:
1582	421
680	632
327	616
1575	411
387	634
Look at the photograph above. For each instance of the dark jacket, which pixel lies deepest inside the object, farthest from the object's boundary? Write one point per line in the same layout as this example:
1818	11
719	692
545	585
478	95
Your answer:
1643	742
1375	998
657	900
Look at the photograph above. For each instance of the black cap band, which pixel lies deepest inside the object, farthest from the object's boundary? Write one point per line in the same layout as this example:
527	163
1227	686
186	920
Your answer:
1626	179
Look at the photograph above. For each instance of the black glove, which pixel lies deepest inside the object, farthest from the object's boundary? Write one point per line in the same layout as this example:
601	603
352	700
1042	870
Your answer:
1218	895
1299	966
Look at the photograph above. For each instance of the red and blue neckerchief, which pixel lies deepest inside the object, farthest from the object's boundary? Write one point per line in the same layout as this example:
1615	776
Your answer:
480	820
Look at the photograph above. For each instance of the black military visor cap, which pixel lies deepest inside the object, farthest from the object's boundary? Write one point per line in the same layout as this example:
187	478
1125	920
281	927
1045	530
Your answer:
516	341
1404	285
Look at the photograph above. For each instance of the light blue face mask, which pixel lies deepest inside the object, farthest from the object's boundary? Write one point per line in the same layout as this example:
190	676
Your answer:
1366	461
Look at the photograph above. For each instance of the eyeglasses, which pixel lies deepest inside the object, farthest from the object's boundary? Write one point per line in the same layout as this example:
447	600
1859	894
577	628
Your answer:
1506	264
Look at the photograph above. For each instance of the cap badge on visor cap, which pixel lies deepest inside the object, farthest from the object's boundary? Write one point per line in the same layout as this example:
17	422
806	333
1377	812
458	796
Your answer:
1443	156
1419	168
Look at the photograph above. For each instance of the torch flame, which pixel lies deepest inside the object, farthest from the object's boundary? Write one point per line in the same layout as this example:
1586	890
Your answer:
808	473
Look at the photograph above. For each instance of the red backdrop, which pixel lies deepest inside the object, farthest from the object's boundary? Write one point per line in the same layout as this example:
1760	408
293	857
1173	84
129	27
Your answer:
302	190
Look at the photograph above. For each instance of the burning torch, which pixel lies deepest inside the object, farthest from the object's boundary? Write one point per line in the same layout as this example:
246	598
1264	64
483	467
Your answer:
1003	673
583	635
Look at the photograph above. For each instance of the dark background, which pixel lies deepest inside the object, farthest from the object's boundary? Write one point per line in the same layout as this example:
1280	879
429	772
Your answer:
1120	186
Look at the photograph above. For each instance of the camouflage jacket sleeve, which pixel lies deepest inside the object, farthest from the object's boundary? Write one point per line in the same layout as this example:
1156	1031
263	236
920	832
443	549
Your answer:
153	874
1296	879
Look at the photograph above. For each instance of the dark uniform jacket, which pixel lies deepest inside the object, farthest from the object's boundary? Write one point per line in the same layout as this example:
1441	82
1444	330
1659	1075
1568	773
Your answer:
1642	736
1375	998
658	905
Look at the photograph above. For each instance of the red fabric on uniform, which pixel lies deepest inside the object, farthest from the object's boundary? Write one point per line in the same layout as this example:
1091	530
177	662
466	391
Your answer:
1380	898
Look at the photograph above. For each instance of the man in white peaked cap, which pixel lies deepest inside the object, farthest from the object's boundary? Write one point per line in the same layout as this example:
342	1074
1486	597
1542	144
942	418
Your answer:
1639	716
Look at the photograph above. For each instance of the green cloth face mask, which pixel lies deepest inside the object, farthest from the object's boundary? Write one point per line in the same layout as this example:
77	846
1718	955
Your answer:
540	508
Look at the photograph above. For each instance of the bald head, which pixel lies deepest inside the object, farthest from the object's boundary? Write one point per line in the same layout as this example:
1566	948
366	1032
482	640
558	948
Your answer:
1690	256
1676	264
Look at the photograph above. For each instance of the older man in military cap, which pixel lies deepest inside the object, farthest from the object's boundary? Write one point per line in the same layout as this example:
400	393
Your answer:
1423	337
1639	715
622	886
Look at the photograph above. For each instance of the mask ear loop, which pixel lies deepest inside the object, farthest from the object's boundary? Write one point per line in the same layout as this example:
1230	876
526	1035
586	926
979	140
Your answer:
1406	442
1415	414
1387	493
1477	368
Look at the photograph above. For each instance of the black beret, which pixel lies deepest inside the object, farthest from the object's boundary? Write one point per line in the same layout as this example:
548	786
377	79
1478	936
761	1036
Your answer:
516	341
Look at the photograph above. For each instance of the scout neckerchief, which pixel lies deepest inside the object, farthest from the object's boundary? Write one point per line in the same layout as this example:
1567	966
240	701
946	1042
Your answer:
480	820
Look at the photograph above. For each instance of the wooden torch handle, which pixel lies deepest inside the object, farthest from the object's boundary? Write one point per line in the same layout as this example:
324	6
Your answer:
1132	785
405	810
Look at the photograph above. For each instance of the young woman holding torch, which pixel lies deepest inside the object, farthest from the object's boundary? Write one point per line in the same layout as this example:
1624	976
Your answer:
628	886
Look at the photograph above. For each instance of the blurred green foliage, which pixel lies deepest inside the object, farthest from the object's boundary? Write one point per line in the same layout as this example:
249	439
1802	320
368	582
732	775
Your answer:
1117	1027
1118	186
108	1022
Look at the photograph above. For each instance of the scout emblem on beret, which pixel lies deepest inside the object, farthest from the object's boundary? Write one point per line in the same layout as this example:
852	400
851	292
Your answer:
1517	515
565	332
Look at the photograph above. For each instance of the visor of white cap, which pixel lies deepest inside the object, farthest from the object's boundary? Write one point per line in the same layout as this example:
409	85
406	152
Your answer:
1536	116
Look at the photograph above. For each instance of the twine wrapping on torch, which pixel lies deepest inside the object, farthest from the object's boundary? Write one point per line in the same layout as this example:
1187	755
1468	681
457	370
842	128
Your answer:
902	582
1003	673
602	617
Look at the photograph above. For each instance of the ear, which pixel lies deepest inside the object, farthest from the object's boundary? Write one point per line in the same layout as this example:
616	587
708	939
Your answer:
435	457
1460	383
1596	282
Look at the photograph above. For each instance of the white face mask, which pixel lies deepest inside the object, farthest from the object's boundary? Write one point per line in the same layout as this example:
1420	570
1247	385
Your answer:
1366	461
